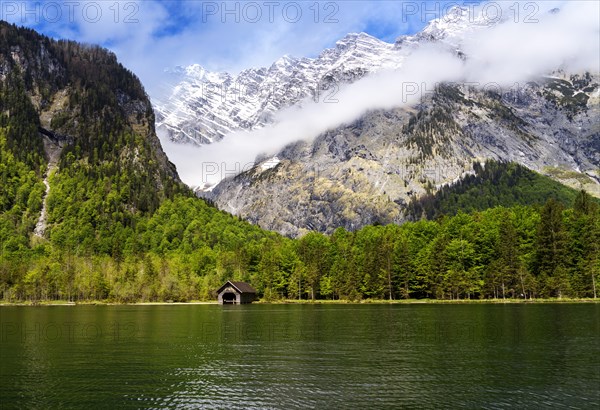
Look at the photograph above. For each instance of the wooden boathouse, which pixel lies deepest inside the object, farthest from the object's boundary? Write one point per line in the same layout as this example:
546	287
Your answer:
236	293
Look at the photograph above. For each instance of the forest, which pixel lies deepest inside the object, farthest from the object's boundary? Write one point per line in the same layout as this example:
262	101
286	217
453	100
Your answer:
491	184
187	249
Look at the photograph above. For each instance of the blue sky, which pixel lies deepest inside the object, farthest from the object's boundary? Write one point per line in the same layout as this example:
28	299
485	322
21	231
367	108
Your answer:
149	36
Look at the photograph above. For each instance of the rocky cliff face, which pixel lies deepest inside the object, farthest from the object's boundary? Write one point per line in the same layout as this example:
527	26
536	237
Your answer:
366	172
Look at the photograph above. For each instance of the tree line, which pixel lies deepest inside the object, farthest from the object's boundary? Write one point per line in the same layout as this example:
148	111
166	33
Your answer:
187	249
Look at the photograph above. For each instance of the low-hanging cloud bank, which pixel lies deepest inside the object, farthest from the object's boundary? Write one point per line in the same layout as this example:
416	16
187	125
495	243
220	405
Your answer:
510	53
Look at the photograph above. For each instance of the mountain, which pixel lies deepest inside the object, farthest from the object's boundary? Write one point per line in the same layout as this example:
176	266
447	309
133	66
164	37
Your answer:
91	209
492	184
368	171
79	149
204	106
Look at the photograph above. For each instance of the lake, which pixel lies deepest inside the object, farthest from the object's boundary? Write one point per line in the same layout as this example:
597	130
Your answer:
301	356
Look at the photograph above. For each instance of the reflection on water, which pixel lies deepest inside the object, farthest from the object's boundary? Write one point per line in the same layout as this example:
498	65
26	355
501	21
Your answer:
297	356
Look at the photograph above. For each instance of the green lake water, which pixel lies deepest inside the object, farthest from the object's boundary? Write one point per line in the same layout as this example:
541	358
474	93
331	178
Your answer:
301	356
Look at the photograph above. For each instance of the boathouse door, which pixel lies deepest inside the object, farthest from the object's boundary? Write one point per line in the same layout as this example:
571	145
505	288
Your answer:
229	298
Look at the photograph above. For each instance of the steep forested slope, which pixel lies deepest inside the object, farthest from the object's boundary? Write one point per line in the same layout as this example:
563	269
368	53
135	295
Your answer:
491	184
76	105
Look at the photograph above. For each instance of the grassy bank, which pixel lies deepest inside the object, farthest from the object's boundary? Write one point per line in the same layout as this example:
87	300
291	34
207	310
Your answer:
433	301
100	303
315	302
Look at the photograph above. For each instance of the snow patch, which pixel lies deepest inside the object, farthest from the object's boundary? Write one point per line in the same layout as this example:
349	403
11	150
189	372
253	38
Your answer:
270	164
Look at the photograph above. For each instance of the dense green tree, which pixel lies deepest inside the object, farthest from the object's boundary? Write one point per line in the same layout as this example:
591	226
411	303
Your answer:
344	276
314	251
508	262
550	248
583	249
403	272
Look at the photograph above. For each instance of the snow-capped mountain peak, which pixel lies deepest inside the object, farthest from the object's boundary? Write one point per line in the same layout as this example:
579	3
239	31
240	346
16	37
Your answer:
200	73
457	24
204	106
355	39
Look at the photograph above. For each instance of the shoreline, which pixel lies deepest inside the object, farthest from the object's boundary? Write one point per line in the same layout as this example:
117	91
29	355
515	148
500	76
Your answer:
432	301
310	302
101	303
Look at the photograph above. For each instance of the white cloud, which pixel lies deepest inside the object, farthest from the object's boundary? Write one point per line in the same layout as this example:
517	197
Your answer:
515	51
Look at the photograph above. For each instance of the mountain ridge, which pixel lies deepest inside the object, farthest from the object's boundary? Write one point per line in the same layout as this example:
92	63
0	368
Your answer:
205	106
371	168
289	80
